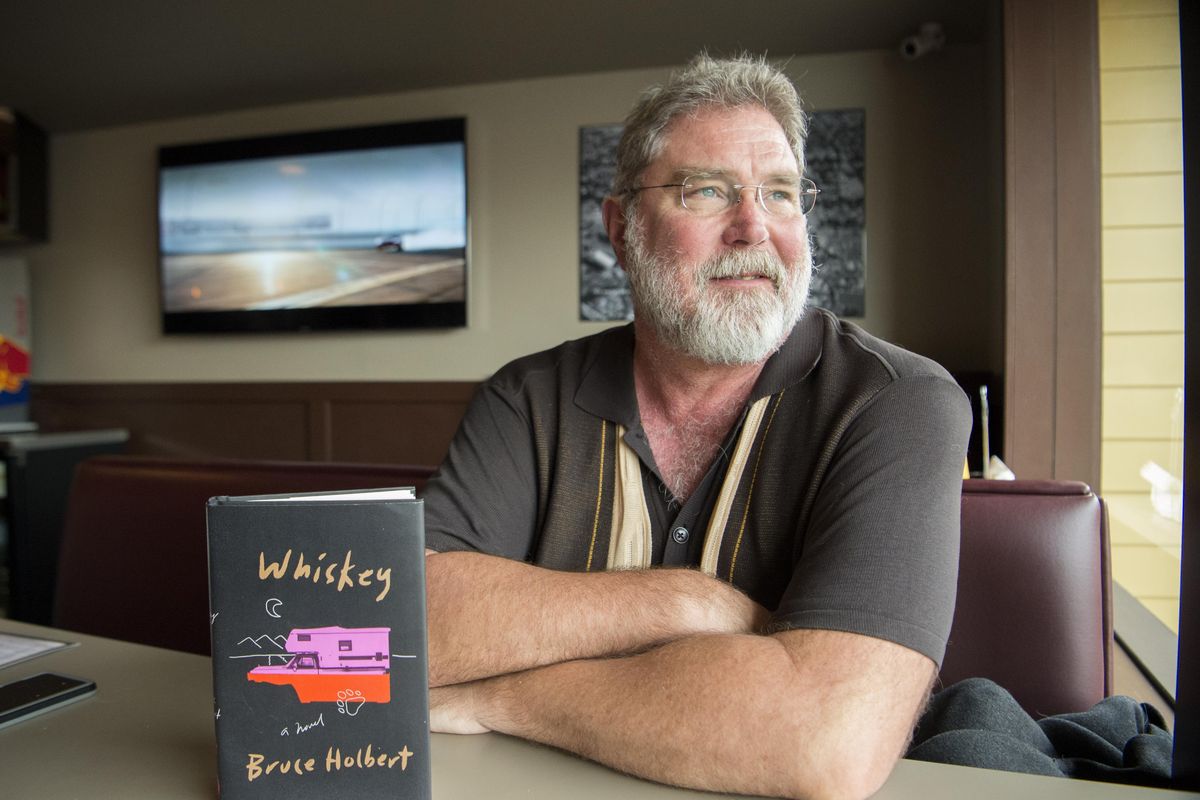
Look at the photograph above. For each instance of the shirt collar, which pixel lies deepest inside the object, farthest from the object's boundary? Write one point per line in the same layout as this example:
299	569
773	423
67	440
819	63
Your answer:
607	389
796	358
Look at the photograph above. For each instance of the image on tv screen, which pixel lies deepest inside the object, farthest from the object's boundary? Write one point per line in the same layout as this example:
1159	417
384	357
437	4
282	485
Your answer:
365	228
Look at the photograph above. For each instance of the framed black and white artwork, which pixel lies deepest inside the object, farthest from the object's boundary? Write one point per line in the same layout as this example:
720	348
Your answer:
603	288
836	155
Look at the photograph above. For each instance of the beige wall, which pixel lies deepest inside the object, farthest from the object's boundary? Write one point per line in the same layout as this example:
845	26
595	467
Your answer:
933	252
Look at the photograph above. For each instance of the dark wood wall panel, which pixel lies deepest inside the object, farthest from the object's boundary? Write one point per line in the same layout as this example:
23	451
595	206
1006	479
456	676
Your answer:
360	422
385	432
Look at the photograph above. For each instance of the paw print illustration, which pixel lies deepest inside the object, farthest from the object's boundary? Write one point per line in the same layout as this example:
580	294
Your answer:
350	701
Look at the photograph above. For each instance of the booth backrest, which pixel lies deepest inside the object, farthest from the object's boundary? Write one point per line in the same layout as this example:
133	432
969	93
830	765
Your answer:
133	563
1034	609
1034	598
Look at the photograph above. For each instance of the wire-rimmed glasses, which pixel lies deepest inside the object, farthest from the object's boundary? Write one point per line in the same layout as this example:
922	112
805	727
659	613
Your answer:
707	195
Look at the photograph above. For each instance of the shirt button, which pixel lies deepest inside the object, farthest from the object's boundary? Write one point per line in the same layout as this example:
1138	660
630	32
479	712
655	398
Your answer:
680	535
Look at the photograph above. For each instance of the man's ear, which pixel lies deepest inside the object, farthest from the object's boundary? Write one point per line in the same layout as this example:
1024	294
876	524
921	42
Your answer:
613	214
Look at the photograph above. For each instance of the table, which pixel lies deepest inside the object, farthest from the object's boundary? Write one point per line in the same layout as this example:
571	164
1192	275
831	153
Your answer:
148	733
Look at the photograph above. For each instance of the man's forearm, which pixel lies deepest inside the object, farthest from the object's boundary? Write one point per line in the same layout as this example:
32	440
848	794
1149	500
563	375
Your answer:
826	715
490	616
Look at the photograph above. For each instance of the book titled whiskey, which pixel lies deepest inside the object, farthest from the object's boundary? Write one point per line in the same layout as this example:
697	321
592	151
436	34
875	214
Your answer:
320	674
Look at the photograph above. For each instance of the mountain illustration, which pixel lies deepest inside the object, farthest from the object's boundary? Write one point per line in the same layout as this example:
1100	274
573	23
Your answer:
268	646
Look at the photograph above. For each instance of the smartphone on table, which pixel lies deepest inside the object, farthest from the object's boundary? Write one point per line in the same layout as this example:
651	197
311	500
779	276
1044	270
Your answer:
36	694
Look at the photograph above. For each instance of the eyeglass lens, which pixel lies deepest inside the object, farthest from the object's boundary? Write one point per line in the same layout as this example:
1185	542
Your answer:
782	198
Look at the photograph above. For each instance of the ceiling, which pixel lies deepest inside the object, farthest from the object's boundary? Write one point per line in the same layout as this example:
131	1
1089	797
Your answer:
78	64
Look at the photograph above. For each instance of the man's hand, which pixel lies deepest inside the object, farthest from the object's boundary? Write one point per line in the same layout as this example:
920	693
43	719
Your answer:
533	617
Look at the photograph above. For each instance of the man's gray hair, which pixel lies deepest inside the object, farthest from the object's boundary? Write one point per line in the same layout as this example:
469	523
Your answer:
705	82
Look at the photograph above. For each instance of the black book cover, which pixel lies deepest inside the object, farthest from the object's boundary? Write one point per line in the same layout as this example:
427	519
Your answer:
317	608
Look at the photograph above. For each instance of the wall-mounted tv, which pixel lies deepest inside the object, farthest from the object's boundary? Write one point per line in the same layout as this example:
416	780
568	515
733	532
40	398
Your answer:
360	228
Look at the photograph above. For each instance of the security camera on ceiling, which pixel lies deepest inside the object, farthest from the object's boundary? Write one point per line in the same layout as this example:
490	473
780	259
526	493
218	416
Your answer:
929	38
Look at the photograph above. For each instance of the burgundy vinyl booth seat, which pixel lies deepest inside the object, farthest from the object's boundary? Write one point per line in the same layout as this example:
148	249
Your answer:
1034	610
134	558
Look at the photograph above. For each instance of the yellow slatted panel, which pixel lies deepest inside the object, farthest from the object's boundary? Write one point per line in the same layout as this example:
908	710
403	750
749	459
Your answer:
1137	147
1146	570
1142	264
1142	253
1121	463
1143	307
1133	520
1142	413
1139	42
1148	94
1119	8
1142	200
1143	360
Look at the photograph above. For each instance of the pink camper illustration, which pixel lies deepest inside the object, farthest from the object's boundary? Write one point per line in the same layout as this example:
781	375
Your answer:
329	664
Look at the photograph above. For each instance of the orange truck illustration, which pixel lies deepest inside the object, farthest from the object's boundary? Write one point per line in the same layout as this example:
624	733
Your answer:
332	664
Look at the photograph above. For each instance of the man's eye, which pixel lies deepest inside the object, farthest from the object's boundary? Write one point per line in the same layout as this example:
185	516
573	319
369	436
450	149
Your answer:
706	191
780	194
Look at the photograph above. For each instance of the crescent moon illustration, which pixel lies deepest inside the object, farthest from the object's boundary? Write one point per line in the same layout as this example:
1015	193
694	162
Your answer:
272	607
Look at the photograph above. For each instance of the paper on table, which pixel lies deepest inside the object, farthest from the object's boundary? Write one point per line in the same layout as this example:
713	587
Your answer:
15	648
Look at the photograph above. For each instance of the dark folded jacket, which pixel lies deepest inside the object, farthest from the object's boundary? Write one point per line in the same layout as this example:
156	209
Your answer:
977	723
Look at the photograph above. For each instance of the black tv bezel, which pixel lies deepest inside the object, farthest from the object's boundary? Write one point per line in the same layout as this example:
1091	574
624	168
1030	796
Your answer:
392	316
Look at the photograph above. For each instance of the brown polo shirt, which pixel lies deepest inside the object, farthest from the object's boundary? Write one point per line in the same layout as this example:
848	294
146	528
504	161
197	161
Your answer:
845	518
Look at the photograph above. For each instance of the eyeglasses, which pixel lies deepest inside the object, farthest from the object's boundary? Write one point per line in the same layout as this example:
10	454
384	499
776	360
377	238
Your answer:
706	196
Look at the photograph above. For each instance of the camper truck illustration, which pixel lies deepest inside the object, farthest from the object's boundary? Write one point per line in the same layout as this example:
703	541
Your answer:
331	664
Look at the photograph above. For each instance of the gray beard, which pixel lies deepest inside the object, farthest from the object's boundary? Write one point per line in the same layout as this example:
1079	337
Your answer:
724	327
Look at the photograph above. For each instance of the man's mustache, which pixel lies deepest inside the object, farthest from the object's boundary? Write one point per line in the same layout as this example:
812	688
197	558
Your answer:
738	264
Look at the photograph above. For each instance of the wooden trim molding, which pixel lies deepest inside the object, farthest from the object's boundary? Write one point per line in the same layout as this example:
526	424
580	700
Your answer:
386	422
1052	189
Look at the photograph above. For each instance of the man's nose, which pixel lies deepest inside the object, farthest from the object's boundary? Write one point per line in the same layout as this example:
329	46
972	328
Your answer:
748	224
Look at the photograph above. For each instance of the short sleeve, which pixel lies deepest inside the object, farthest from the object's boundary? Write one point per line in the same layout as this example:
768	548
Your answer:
484	496
880	552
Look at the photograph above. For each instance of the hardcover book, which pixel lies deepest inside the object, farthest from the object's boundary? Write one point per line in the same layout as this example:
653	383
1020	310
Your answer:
320	672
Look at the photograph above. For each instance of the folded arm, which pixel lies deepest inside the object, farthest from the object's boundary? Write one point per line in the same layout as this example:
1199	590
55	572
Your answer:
490	616
804	713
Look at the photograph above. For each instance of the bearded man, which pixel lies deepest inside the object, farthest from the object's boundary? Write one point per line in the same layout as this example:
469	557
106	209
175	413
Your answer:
716	548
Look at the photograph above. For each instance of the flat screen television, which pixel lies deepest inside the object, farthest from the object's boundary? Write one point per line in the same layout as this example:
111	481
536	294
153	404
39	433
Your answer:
359	228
